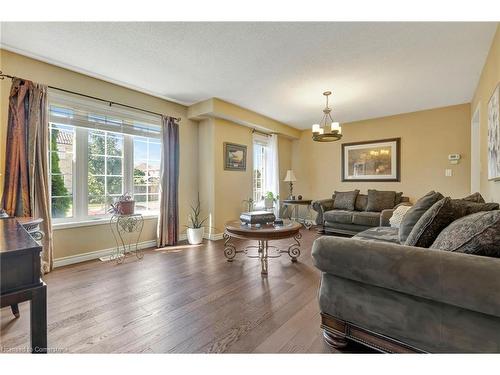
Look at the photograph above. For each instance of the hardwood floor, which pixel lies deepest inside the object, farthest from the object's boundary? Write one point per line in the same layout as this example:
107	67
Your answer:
186	300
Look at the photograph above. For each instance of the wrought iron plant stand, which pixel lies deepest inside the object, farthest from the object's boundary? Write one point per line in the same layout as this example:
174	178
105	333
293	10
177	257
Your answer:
126	231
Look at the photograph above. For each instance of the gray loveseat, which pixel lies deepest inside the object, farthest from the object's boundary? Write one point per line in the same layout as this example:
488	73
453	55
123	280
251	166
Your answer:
398	298
353	221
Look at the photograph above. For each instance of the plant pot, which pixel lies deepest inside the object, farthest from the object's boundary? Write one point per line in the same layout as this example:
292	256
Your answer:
195	235
268	203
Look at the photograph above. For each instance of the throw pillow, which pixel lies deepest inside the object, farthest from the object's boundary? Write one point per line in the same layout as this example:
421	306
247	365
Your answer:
344	200
477	234
380	200
397	216
439	216
361	202
415	212
476	197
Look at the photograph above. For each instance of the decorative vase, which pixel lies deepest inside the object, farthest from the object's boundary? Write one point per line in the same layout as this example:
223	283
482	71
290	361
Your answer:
195	235
268	203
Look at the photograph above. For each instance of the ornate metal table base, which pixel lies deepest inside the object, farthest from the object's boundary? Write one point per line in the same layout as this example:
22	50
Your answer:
123	226
263	251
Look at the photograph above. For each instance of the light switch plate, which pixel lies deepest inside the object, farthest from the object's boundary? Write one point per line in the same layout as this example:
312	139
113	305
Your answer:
448	172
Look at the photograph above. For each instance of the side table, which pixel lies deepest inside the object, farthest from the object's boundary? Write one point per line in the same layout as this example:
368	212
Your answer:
126	231
292	205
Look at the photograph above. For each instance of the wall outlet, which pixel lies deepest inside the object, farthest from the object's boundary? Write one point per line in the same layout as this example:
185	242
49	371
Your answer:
448	172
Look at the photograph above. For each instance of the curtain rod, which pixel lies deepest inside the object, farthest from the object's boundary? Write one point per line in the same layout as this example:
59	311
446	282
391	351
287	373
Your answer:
259	132
3	76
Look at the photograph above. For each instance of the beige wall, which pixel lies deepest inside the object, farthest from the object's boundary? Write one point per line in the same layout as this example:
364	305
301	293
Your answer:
80	240
427	137
222	192
231	187
490	78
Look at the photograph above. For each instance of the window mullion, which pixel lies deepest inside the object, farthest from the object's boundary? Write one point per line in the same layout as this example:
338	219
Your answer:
128	164
81	172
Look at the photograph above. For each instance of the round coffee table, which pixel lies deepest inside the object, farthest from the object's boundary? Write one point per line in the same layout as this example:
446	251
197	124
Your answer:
262	234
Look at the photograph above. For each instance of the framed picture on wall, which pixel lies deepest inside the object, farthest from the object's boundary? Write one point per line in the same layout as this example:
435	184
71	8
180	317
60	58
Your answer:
235	157
494	135
372	160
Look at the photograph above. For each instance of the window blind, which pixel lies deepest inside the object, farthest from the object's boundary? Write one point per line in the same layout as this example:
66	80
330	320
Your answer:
76	110
260	139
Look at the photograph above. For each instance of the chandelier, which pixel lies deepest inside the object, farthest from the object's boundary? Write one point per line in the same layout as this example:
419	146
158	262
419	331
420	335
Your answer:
327	130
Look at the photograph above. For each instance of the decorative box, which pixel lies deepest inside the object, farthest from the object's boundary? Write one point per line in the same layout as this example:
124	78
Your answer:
257	217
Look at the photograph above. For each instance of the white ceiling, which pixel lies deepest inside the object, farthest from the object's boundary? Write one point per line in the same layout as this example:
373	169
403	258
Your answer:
277	69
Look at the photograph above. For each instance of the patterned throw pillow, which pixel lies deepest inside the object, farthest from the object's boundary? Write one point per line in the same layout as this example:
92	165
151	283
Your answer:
416	211
439	216
344	200
477	234
380	200
476	197
397	216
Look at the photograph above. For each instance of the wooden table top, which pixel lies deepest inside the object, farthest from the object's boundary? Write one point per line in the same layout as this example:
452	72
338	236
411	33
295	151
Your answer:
13	237
264	232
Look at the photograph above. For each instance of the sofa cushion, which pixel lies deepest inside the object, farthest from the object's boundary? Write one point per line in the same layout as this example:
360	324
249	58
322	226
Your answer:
361	202
477	234
380	200
344	200
338	216
414	213
385	234
371	219
439	216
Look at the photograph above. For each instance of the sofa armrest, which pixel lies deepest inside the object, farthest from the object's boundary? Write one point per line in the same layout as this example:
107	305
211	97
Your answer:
463	280
386	215
321	206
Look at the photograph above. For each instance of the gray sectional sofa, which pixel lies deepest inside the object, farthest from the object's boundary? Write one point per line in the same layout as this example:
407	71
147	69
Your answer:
352	220
393	297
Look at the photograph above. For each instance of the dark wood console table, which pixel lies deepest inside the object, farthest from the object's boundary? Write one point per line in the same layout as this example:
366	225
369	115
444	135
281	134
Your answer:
20	278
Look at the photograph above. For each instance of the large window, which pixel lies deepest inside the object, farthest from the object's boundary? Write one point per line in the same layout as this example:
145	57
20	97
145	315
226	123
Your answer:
98	154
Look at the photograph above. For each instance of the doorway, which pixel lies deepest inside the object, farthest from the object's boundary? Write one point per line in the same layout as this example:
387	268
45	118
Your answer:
475	151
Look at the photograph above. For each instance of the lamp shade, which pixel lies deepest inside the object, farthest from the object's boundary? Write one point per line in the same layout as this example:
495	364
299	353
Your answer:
290	176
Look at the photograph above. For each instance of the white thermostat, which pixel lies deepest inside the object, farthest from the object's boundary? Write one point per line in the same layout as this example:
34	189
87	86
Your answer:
454	158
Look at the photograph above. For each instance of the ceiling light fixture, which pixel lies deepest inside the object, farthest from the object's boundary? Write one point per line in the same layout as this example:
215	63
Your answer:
327	130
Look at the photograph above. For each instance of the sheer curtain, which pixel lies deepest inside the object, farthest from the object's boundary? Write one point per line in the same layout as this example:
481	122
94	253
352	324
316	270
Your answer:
272	170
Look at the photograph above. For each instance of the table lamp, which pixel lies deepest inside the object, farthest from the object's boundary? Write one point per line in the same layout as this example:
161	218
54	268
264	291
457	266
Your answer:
290	178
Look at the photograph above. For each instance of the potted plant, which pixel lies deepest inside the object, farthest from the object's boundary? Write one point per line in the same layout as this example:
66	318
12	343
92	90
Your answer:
270	199
195	228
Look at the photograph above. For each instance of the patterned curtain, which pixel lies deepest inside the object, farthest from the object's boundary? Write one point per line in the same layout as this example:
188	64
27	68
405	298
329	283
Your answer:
26	187
168	224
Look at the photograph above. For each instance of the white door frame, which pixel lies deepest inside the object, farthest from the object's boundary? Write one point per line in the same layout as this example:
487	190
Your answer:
475	150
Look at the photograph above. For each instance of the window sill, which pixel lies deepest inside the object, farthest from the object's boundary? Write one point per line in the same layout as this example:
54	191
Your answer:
93	222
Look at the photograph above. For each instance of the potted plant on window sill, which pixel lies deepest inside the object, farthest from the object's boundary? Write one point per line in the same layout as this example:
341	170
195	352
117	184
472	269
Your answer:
270	199
195	228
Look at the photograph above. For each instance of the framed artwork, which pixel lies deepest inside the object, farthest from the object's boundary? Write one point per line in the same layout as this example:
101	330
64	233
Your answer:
372	160
494	135
235	157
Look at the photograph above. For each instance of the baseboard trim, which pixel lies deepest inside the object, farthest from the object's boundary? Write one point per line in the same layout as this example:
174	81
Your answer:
213	236
72	259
